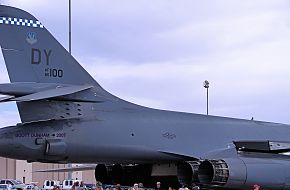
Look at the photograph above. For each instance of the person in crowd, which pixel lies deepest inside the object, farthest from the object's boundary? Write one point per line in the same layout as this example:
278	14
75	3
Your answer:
73	187
135	186
181	188
195	187
256	187
141	186
118	186
158	186
81	186
99	185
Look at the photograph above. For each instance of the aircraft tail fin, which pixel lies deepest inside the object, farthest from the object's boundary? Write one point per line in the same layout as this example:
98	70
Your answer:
32	54
34	58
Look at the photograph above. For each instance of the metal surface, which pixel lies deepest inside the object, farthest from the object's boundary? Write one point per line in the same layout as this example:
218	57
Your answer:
76	125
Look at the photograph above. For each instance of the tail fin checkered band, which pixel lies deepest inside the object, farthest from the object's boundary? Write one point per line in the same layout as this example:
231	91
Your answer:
21	22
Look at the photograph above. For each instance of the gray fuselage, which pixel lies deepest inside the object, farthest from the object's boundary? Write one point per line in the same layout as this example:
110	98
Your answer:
121	132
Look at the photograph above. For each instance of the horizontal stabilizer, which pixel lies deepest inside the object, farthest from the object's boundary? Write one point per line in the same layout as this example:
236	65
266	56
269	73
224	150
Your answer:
61	91
29	91
6	98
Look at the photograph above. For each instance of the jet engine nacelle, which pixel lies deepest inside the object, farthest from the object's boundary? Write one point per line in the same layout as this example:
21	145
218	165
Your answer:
126	174
244	172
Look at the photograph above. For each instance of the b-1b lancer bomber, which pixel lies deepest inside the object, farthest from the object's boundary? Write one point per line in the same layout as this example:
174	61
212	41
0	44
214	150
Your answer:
67	117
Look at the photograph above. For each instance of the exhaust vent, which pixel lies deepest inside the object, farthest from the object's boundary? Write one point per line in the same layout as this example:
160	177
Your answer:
213	172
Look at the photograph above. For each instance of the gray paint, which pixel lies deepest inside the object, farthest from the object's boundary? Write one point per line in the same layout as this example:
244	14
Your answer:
83	125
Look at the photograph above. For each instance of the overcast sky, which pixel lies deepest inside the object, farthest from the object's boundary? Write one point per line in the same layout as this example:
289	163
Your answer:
158	53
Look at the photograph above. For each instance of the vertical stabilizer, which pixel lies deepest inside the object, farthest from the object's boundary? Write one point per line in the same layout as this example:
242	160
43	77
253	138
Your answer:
32	54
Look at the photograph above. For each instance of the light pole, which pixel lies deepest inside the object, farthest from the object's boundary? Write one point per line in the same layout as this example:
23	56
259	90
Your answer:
206	85
69	26
69	49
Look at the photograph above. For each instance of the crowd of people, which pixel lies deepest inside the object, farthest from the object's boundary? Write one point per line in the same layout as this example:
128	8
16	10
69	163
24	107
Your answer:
76	186
138	186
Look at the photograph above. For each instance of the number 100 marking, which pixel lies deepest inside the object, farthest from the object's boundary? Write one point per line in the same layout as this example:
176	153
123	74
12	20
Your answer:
54	72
